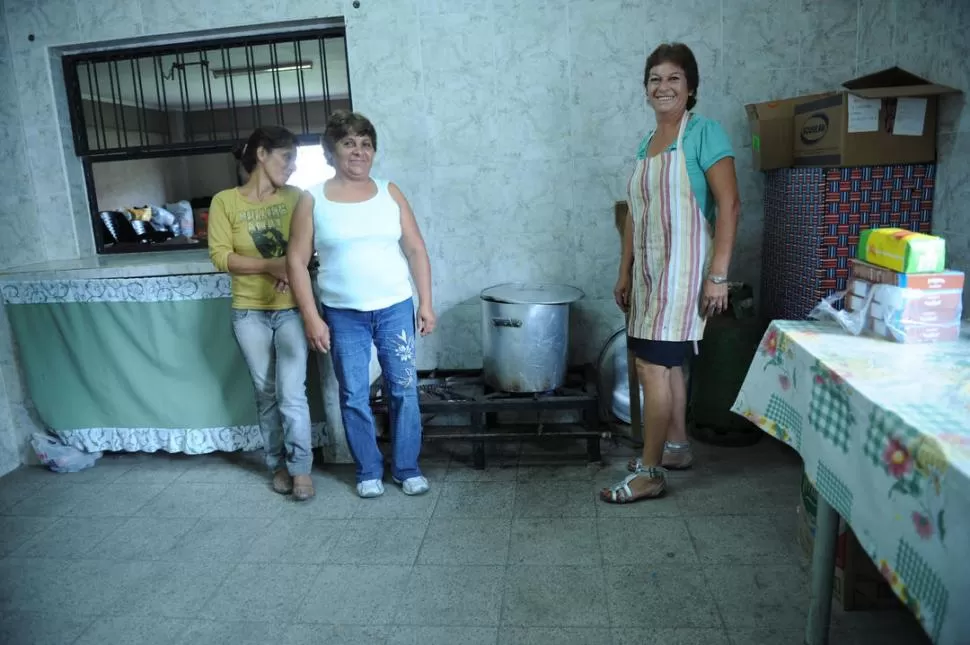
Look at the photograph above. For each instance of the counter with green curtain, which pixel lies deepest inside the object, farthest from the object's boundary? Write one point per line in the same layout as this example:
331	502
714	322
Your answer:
139	364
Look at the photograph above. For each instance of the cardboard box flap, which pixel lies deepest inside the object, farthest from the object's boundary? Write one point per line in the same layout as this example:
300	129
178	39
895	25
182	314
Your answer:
894	82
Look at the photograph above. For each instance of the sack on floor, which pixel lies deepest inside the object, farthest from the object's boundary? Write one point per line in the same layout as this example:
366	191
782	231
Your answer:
60	458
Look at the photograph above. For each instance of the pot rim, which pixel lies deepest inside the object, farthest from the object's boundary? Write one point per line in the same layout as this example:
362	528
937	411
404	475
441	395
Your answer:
557	293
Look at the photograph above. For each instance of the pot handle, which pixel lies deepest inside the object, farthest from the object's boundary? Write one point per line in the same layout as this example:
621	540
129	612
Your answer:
506	322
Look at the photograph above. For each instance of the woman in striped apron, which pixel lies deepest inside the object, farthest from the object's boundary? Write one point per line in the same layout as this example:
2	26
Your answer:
677	245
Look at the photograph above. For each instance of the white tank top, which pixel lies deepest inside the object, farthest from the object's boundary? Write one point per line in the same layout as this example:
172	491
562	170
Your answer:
362	266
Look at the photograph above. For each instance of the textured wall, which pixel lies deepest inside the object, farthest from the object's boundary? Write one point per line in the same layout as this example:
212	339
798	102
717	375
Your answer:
510	124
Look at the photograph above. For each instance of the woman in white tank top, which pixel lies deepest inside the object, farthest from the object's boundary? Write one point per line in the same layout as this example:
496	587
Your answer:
370	247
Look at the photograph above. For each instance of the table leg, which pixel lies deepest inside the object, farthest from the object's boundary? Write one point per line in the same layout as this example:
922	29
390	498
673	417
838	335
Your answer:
823	572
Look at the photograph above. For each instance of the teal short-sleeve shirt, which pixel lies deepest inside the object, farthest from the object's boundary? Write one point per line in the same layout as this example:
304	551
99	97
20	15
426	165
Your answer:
705	143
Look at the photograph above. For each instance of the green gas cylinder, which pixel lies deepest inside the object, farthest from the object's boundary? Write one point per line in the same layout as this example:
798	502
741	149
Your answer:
731	340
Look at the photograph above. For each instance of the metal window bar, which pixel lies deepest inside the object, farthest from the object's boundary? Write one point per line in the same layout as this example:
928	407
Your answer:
164	100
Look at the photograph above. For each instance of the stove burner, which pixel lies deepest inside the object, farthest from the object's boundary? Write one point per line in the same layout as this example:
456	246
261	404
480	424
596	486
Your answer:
465	392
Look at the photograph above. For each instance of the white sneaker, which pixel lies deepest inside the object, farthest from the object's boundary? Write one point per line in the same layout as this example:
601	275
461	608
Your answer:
413	485
370	488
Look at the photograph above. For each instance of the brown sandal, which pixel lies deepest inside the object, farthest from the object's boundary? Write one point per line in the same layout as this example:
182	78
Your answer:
282	482
621	493
303	488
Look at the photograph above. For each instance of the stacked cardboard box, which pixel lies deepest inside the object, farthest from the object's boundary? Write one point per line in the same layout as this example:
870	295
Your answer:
837	164
903	291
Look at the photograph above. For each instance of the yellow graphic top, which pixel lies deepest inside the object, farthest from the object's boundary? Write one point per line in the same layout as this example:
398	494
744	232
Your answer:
253	230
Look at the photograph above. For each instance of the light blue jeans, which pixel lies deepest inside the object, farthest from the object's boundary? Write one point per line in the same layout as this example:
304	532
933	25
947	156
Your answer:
391	330
275	349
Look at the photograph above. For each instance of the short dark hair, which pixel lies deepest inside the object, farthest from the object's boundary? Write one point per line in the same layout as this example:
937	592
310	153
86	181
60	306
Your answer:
269	138
680	55
342	123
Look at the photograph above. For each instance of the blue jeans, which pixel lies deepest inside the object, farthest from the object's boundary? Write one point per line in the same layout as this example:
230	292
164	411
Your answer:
275	349
391	330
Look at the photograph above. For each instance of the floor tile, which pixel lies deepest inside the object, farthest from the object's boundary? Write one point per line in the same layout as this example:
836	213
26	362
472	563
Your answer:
23	583
463	541
743	539
226	540
635	540
652	597
227	468
485	500
555	636
156	469
406	635
750	596
548	596
463	472
38	476
57	498
277	589
15	531
172	589
394	504
41	628
770	636
354	595
682	636
69	537
143	538
14	492
133	630
747	496
452	595
184	500
296	540
558	471
307	634
117	500
221	632
555	541
247	501
379	542
554	499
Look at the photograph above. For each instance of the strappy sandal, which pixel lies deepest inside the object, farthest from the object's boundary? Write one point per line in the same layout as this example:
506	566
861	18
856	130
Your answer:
622	493
303	488
676	456
282	482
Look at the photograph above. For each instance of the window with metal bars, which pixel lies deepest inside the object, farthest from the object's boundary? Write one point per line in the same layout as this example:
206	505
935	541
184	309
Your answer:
204	96
154	125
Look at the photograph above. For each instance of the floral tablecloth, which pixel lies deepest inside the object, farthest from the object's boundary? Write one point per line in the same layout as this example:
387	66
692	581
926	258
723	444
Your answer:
884	431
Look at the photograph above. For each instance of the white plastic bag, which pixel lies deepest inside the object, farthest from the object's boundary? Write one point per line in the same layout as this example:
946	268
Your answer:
60	458
853	322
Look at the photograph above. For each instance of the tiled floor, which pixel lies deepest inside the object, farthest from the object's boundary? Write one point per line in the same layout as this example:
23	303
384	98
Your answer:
159	549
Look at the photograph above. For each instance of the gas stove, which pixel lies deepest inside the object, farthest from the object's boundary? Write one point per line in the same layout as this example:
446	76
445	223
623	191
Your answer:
455	392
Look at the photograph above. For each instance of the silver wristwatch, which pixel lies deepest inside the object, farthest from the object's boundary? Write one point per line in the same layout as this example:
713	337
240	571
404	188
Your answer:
717	279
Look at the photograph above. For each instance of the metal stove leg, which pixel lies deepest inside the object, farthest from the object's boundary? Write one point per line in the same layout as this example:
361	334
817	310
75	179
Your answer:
478	446
591	421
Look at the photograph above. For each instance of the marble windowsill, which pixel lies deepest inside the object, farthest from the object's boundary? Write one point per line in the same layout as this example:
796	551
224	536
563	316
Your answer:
129	265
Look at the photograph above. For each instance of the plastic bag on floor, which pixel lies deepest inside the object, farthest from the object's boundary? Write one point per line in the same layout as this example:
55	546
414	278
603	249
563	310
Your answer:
60	458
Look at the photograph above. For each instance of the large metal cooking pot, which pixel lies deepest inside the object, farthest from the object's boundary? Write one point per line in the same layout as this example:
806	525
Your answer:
525	335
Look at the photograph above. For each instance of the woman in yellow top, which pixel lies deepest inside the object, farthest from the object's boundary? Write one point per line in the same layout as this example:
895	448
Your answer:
248	231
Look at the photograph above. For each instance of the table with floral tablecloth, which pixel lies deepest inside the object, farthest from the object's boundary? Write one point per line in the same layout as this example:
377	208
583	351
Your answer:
884	432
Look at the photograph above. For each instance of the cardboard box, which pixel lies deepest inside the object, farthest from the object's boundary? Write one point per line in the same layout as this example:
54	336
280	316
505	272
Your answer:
902	250
906	304
908	333
772	134
886	117
947	280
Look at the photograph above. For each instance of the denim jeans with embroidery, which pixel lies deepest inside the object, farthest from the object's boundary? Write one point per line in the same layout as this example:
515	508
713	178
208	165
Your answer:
391	330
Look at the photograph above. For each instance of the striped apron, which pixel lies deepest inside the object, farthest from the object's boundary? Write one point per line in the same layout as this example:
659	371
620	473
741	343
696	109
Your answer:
672	248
